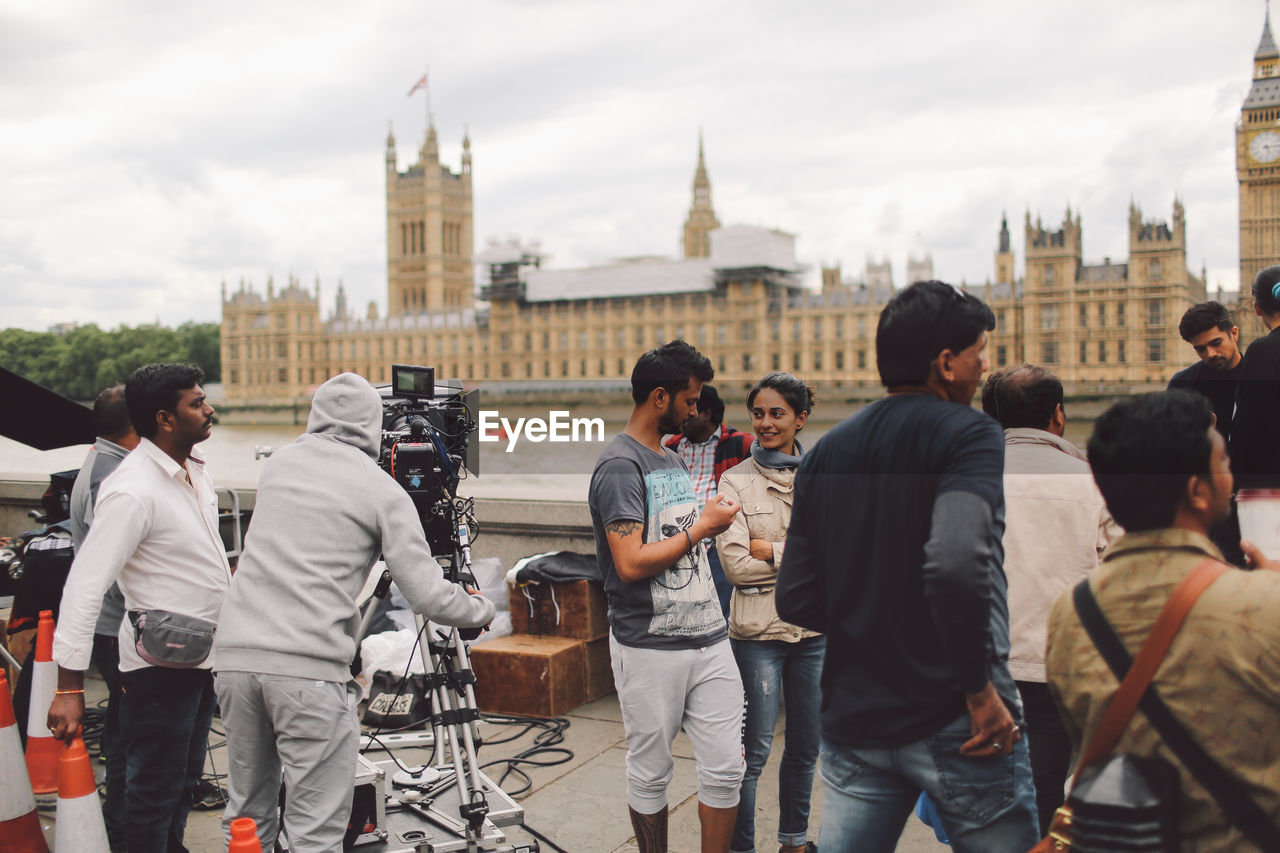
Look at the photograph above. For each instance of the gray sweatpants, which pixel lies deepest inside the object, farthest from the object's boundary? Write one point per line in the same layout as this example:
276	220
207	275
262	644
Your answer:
661	690
302	730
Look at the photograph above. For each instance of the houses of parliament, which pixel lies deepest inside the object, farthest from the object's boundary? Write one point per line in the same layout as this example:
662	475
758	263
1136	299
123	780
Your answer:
735	292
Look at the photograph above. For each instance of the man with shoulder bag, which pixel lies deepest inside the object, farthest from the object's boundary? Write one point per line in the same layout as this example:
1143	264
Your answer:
1165	627
155	533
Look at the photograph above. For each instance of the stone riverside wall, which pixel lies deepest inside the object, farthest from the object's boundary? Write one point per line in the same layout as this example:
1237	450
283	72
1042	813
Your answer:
509	529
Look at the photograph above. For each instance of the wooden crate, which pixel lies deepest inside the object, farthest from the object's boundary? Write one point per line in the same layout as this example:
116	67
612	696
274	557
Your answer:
538	676
599	669
576	609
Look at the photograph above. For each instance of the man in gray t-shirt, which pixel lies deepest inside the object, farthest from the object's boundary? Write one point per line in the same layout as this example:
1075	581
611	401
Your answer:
673	609
671	659
116	437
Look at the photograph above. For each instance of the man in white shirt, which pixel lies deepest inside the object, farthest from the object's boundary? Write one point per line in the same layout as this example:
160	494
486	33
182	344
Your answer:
155	533
1056	528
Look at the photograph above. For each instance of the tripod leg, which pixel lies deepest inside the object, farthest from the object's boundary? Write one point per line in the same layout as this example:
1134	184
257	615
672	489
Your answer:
467	699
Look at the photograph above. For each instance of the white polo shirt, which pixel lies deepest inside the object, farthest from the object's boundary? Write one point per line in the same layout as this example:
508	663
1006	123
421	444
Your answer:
157	536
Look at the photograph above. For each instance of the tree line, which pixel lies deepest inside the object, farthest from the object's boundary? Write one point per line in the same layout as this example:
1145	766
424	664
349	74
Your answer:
80	363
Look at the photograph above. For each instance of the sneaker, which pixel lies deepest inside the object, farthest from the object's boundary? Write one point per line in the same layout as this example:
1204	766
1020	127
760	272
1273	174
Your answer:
207	796
809	847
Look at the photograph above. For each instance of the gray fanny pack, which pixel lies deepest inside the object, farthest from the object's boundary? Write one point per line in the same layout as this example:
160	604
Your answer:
171	640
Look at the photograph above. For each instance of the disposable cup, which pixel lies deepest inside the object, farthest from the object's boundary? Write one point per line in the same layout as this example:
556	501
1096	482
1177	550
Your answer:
1260	519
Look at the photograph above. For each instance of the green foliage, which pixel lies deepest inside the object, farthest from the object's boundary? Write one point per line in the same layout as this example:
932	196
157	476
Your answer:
82	362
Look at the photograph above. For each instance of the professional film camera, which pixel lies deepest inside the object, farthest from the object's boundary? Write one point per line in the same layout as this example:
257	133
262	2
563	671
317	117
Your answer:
428	447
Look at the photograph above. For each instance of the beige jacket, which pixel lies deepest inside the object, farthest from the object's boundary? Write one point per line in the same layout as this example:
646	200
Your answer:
765	496
1220	677
1056	526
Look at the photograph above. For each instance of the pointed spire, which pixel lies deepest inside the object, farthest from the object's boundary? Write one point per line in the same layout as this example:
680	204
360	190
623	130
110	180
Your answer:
700	178
1004	232
702	216
1267	45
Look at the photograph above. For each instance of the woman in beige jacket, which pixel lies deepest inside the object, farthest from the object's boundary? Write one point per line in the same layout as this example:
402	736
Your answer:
777	660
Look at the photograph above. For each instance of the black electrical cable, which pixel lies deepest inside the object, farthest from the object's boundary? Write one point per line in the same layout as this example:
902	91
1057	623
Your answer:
545	745
538	835
374	739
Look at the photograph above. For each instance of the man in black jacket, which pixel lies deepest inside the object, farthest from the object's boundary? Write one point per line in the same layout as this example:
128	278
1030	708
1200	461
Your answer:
895	551
1214	335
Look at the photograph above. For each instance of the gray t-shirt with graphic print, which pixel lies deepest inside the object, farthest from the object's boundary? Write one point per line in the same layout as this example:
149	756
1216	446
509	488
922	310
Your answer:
676	608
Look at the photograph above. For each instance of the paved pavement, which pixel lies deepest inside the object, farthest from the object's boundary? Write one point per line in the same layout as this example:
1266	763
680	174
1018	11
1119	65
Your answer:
581	803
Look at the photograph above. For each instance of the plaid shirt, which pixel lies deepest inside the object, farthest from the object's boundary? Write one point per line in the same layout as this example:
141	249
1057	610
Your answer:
701	459
708	460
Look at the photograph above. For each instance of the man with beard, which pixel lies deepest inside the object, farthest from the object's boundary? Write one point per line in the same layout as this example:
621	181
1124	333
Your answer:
1215	337
668	640
155	533
709	447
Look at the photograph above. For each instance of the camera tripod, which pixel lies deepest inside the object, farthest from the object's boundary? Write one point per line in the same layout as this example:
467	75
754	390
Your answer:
449	804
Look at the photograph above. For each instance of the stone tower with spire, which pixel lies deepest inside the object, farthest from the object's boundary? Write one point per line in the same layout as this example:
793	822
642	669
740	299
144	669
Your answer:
1004	253
1258	162
429	231
702	216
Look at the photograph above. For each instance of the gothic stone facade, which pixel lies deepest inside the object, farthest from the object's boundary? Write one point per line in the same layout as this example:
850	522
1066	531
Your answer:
735	293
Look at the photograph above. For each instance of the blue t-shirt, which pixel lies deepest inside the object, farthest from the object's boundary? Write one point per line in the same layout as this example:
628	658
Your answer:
676	608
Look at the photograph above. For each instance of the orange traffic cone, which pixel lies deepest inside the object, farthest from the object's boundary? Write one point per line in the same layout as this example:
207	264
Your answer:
244	836
42	749
80	828
19	823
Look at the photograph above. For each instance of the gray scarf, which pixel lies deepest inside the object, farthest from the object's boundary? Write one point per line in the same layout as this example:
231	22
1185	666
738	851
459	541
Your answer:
775	458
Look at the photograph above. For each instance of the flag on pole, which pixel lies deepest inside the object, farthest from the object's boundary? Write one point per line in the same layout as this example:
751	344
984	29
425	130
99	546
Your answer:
421	84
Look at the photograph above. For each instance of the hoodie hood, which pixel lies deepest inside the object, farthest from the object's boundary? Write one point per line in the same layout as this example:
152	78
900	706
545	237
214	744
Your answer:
349	409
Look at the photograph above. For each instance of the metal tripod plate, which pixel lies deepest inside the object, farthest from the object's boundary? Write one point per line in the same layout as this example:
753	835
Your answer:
503	811
398	740
410	829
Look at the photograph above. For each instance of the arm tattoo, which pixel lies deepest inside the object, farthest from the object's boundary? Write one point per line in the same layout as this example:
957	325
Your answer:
624	527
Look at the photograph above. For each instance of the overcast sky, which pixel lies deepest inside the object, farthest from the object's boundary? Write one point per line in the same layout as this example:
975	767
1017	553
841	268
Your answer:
150	150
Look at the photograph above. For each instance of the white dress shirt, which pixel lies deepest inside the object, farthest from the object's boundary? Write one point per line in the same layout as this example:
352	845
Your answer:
154	533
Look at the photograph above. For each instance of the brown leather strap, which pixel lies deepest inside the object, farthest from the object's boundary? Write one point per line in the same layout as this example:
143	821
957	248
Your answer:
1125	702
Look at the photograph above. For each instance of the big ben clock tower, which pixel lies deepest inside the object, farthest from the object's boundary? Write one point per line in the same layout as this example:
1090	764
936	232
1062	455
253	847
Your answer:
1258	163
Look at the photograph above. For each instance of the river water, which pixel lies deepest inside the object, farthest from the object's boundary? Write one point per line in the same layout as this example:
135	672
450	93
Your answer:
531	470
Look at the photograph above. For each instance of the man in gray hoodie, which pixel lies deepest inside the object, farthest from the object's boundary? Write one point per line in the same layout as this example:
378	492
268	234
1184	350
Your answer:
286	637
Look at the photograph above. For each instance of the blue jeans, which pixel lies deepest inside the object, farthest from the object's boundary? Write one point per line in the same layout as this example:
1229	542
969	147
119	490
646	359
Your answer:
724	589
168	713
773	670
987	805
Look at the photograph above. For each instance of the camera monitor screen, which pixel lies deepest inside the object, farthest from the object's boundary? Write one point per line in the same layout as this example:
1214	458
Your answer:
410	381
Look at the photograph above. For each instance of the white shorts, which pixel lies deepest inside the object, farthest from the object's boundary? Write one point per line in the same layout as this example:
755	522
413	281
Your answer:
662	690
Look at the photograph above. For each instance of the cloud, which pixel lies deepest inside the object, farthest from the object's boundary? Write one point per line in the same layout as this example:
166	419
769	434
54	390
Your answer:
150	150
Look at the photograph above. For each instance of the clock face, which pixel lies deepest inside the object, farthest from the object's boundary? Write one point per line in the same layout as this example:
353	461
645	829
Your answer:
1265	147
